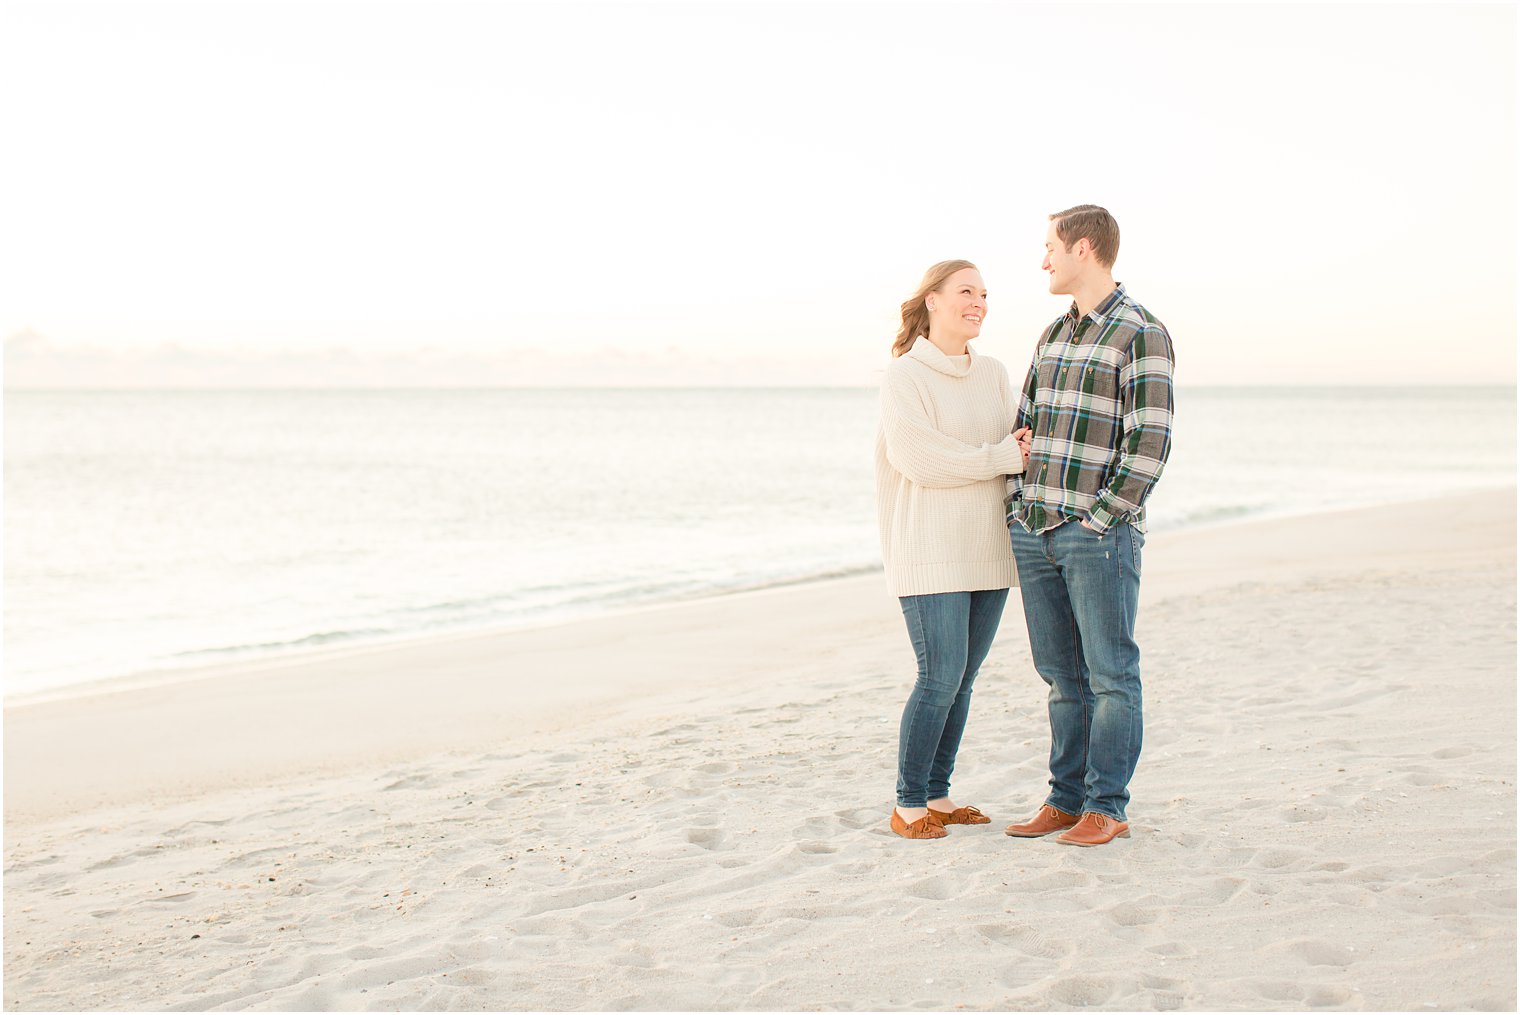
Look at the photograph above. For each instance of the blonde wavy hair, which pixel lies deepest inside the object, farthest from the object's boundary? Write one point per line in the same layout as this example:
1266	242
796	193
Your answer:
915	314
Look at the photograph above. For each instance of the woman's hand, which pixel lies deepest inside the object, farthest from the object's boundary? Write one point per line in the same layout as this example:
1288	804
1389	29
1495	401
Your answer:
1025	437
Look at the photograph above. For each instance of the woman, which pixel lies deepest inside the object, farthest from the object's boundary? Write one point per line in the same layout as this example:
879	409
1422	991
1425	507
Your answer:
944	446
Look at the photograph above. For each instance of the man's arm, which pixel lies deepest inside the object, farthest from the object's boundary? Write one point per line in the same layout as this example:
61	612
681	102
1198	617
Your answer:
1146	403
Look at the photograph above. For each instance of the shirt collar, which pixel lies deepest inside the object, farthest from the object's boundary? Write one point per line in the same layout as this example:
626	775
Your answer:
1101	312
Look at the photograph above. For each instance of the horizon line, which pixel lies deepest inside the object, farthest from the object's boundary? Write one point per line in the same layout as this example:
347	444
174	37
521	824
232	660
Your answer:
1221	385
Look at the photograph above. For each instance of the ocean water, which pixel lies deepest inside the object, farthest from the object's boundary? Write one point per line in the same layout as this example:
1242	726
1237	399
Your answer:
151	530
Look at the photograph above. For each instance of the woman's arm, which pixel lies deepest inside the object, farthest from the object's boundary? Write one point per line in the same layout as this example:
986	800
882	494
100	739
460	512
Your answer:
930	458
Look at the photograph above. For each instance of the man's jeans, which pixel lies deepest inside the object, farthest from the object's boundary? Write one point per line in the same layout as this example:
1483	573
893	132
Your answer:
1081	592
951	633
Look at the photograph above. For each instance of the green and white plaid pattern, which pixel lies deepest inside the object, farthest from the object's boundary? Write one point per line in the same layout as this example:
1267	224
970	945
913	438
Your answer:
1099	400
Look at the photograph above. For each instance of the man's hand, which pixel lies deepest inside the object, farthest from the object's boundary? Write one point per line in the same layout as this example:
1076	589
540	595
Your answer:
1088	527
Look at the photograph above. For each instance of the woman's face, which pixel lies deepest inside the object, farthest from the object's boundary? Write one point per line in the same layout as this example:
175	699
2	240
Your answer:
960	306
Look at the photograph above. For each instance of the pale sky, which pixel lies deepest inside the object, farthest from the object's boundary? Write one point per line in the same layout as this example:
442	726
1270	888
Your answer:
448	193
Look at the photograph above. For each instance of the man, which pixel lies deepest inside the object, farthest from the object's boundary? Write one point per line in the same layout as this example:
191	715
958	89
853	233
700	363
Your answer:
1099	400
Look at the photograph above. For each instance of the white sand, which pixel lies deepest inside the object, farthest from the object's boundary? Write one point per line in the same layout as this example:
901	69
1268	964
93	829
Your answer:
686	808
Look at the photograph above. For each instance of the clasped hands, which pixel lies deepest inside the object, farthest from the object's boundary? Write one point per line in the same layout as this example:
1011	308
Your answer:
1025	437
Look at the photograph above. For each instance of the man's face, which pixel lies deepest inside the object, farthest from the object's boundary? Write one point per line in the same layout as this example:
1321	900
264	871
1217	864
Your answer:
1060	264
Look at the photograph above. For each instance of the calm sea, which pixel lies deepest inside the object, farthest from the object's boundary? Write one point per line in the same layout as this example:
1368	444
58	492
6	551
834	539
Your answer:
146	530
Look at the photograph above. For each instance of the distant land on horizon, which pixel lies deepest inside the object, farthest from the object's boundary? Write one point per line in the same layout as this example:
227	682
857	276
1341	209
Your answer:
1244	387
33	362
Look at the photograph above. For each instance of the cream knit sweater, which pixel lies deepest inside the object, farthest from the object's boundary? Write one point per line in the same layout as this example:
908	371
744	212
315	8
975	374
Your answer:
944	445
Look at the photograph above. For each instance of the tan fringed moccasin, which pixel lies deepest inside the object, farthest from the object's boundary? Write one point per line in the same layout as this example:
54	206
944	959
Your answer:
961	816
926	827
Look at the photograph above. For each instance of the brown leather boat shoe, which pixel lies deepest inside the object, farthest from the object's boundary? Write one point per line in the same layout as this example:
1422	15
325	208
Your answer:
1048	819
961	816
926	827
1094	830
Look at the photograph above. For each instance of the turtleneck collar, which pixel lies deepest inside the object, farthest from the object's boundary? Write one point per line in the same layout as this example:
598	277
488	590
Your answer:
927	353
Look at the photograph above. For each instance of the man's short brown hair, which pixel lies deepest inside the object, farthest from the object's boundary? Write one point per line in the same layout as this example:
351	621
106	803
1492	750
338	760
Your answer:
1093	224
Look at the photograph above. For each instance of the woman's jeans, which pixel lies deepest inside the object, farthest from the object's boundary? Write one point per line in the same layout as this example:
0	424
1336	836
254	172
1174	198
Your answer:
951	633
1081	591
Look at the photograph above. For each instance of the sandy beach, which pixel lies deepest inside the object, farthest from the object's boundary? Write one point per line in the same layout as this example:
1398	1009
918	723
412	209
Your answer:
686	807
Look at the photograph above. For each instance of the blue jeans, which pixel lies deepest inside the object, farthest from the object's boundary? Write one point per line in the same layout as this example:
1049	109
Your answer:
951	633
1081	592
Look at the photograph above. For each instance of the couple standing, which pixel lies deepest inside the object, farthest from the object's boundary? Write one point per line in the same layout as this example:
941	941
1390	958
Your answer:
981	487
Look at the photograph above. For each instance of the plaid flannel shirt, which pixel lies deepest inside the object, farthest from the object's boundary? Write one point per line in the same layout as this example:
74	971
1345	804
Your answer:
1099	400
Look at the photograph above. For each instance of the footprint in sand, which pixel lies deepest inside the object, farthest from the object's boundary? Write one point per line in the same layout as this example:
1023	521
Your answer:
740	917
1276	859
1082	991
860	817
1324	996
1128	915
1303	813
1152	982
1374	878
936	888
1279	990
707	838
1220	890
1318	953
1167	994
817	848
479	870
1422	778
1057	881
1027	941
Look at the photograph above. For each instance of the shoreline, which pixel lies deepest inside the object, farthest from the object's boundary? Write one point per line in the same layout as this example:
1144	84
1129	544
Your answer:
686	809
165	676
325	717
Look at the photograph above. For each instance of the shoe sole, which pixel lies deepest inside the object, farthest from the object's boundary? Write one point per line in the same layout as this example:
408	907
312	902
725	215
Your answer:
1037	835
1072	842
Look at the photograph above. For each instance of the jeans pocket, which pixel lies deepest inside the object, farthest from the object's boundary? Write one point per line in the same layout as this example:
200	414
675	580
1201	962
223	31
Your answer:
1136	543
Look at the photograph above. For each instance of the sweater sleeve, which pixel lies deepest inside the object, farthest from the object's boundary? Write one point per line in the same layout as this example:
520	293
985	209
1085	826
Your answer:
931	458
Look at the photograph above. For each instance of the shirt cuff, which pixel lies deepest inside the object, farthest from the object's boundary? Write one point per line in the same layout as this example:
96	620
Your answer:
1100	518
